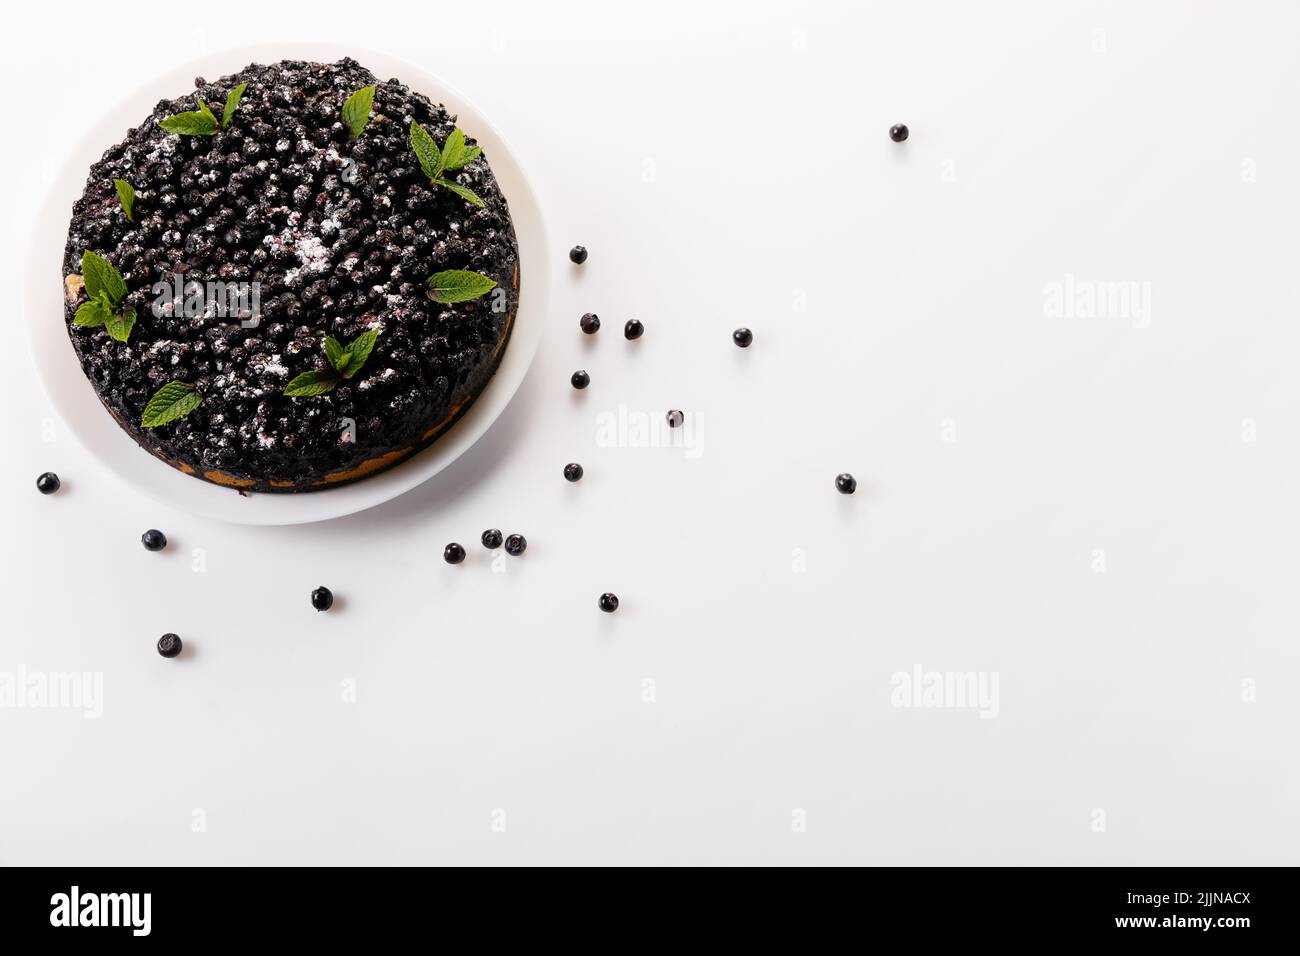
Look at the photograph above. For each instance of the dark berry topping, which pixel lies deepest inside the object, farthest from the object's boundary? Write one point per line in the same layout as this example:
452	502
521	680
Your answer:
515	544
153	540
675	418
322	599
633	330
340	235
453	553
609	602
48	483
898	133
169	645
491	538
578	254
590	323
743	337
572	471
580	379
846	484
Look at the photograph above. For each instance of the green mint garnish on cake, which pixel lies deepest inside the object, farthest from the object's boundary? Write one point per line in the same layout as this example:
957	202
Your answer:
126	195
105	290
203	122
174	400
453	156
232	104
459	285
198	122
345	361
356	109
456	155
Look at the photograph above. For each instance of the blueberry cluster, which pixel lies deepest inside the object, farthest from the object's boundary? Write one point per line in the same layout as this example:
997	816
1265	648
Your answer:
515	545
339	233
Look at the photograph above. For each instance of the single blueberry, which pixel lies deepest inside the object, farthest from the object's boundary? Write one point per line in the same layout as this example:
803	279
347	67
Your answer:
169	645
322	599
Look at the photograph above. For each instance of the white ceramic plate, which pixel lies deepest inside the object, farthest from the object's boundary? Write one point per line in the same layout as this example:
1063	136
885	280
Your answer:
77	403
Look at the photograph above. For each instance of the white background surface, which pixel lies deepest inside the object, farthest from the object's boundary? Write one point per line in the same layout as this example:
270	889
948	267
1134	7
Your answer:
1040	149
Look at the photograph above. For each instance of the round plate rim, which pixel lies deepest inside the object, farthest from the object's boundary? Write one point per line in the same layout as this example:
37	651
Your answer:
79	407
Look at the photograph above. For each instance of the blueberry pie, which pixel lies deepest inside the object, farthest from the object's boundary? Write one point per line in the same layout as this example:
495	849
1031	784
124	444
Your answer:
292	277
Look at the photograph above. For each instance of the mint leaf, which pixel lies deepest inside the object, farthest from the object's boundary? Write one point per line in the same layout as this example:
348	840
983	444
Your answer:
92	314
426	151
121	323
336	353
203	110
455	154
358	352
174	400
232	104
191	124
356	109
466	194
101	277
451	149
125	195
458	285
315	382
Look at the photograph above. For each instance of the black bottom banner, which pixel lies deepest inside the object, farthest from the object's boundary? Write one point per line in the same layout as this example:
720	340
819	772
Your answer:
1175	906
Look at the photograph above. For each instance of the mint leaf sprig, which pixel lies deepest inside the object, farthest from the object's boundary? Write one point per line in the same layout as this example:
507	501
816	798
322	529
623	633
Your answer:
174	400
105	289
356	110
126	196
198	122
345	361
456	155
453	156
202	122
459	285
232	104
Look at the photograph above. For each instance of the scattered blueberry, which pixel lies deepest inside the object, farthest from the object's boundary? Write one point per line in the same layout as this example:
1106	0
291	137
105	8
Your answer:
578	254
675	418
572	471
322	599
515	545
169	645
609	602
580	379
153	540
491	538
634	329
743	337
898	133
590	323
846	484
453	553
48	483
